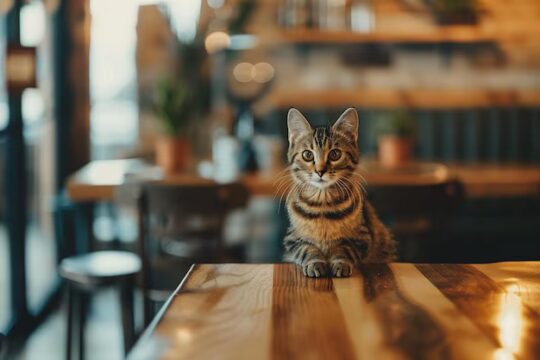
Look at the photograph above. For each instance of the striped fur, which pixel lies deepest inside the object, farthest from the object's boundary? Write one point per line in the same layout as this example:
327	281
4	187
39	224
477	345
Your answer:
333	229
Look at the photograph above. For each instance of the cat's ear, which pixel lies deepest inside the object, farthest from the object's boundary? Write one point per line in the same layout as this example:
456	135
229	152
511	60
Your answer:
297	125
348	124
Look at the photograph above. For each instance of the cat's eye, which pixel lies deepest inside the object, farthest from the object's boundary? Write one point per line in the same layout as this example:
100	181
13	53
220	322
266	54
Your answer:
334	155
307	155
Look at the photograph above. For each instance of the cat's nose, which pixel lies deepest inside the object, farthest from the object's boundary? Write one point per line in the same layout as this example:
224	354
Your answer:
320	172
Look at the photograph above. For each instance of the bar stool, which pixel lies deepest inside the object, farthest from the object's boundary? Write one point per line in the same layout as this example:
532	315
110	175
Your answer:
85	274
3	346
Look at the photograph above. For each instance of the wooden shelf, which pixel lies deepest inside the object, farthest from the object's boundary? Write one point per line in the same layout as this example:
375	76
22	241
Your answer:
397	23
462	34
423	98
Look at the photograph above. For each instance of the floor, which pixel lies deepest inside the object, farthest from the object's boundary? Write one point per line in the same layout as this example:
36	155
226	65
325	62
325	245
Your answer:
41	268
103	332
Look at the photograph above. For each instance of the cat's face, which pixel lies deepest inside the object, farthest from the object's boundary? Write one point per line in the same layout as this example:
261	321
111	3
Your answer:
322	156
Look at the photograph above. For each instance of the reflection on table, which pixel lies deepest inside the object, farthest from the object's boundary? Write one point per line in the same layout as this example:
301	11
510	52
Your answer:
431	311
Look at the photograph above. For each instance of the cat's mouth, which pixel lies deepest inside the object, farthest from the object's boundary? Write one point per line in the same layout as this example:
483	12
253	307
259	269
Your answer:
320	182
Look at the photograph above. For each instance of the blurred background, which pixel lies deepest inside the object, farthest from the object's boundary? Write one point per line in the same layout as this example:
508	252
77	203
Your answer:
112	113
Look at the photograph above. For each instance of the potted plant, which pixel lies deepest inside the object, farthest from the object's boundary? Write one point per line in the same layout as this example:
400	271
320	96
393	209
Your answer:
180	98
173	110
183	95
396	132
450	12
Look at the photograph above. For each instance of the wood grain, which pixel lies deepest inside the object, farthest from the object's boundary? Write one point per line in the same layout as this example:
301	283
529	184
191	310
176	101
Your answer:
216	302
397	311
407	327
466	341
498	311
366	335
524	273
306	312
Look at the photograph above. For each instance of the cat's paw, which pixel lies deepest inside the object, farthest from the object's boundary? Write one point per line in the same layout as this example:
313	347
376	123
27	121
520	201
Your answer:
341	268
315	268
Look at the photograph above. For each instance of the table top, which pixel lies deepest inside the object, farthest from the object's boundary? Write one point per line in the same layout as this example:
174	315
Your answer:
98	180
396	311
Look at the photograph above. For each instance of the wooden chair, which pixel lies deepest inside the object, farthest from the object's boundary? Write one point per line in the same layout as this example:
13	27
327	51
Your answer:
417	213
179	226
87	273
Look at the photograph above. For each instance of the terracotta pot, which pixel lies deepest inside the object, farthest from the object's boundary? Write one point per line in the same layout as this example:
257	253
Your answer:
394	150
173	154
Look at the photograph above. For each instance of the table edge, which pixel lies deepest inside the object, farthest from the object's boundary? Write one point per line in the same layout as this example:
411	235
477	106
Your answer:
149	330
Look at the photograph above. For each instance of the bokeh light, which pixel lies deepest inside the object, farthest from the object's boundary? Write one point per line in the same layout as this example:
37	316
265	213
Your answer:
217	41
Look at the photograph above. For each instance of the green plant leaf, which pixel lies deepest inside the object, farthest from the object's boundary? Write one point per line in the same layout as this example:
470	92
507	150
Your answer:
397	123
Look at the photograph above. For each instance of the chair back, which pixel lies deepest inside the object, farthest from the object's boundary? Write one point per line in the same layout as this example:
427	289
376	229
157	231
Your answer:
188	212
418	215
186	219
416	199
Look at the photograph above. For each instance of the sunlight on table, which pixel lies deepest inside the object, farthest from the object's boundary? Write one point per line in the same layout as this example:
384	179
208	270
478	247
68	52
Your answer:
510	322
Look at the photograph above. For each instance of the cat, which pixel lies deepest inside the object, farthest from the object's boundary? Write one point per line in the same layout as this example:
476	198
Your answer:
333	227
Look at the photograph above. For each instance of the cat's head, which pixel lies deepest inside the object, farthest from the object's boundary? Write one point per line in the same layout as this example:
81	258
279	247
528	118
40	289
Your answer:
321	156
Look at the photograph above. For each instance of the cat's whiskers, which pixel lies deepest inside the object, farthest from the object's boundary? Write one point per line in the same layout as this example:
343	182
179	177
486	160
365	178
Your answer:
286	193
341	191
296	188
282	174
283	182
359	176
348	191
360	181
354	183
282	187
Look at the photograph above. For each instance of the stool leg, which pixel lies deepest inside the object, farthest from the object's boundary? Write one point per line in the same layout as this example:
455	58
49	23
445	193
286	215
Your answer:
70	311
148	309
126	302
82	311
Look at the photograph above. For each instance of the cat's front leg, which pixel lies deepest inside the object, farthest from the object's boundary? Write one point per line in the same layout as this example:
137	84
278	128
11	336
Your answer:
315	268
346	255
341	263
307	255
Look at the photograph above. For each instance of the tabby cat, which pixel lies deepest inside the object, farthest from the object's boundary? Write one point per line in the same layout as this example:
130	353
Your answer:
333	228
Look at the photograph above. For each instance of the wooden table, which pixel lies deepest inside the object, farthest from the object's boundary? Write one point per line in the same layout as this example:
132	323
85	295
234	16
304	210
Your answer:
397	311
98	180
